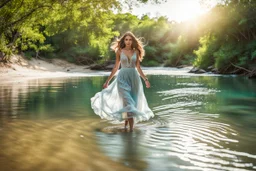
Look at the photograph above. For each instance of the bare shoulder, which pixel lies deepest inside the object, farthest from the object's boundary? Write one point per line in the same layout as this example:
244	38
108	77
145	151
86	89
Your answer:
118	52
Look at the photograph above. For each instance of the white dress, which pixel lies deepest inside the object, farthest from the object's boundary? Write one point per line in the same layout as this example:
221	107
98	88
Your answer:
124	97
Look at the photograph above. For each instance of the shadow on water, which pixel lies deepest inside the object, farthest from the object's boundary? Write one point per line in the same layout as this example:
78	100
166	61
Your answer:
200	123
122	146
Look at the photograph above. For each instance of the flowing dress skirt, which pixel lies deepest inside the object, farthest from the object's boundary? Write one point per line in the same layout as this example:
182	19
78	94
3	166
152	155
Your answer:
123	98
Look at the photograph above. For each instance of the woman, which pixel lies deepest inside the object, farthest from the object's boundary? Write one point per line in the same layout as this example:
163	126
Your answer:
124	98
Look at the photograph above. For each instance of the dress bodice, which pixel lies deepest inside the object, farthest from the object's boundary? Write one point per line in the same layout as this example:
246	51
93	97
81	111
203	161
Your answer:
127	62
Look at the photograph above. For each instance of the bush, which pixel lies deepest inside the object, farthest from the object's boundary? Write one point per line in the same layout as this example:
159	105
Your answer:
251	49
177	51
85	55
150	52
204	54
227	53
30	54
150	63
188	59
253	55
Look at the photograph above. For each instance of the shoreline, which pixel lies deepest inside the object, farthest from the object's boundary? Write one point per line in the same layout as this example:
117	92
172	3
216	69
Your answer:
20	69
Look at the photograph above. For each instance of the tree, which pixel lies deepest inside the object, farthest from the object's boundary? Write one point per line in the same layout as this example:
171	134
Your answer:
24	24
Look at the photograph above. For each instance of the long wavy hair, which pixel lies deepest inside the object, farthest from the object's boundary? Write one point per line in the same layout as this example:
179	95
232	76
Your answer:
137	44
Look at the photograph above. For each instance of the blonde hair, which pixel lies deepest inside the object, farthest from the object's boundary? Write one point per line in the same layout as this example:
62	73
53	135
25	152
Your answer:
136	44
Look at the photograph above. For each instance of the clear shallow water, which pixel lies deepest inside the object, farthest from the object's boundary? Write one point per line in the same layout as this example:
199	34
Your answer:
201	123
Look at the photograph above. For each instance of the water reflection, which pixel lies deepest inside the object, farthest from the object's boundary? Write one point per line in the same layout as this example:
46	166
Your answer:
47	98
56	144
201	123
123	147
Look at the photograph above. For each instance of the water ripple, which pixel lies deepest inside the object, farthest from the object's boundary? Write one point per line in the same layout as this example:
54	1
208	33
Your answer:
200	139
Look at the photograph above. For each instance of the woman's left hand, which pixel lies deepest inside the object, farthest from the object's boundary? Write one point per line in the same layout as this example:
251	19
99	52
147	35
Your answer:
147	84
105	85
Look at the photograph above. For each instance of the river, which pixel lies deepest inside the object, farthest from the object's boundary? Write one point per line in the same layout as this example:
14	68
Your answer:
202	122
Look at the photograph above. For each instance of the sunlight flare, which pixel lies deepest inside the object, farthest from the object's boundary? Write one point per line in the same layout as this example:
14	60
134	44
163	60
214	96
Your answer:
186	10
177	10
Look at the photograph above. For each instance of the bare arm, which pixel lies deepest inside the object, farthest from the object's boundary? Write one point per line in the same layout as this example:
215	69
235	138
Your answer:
116	67
141	72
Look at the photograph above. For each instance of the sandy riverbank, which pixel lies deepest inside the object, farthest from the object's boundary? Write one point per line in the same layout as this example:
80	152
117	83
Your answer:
20	69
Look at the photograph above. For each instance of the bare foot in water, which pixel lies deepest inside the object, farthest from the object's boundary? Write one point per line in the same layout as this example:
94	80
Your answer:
125	124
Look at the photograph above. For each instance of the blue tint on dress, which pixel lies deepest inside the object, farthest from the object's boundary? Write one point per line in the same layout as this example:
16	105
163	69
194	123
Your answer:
124	95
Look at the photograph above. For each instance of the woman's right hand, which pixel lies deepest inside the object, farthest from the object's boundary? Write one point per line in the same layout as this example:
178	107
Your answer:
147	84
105	85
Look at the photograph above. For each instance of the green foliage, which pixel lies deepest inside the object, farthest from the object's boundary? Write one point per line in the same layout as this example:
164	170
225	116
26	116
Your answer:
150	52
204	54
81	51
233	28
243	61
251	50
3	48
150	63
180	46
80	30
188	59
25	24
178	51
228	53
253	55
29	54
125	22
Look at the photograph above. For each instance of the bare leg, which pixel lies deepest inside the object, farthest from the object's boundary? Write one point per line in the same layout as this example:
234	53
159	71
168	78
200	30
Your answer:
125	124
131	124
126	120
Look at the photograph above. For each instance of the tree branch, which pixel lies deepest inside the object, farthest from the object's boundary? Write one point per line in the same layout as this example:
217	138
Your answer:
243	35
27	15
17	34
237	38
240	67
